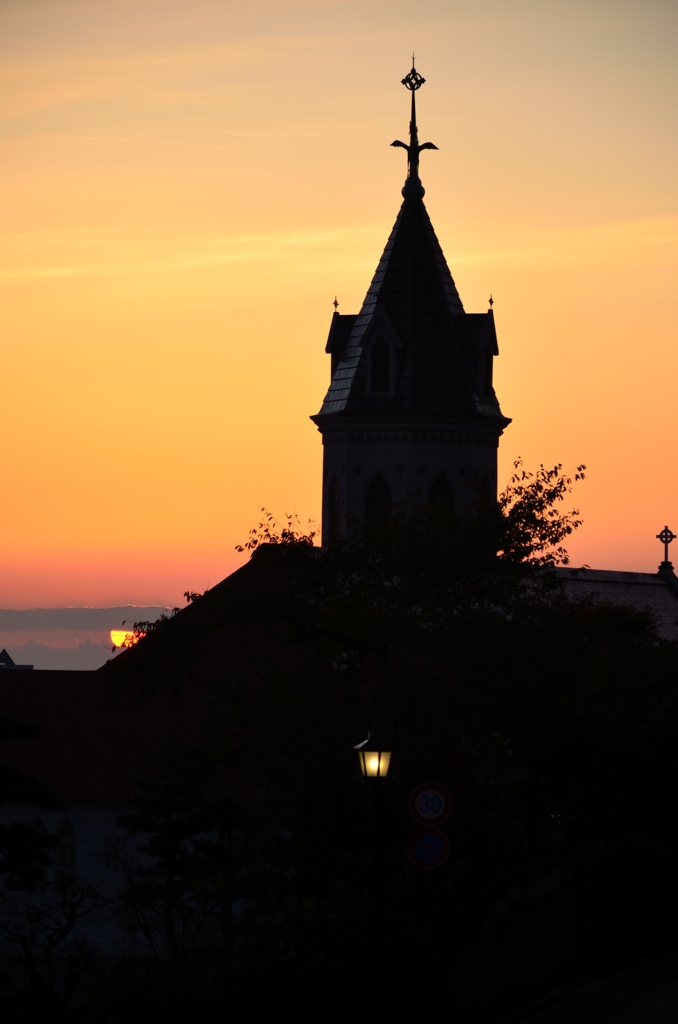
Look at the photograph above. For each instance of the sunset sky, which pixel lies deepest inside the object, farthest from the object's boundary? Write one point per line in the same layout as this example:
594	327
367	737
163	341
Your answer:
187	184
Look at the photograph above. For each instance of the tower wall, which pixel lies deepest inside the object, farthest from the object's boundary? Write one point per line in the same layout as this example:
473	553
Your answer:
410	461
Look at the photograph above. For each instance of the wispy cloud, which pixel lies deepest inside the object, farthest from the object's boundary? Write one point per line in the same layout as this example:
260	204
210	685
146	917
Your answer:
114	251
80	251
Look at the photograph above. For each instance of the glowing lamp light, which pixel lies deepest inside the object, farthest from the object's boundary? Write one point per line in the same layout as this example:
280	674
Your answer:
374	759
123	638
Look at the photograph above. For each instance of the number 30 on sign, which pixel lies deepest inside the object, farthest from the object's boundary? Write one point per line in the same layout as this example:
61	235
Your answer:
430	804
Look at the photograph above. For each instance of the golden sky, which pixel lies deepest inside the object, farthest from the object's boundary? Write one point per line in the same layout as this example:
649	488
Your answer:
187	184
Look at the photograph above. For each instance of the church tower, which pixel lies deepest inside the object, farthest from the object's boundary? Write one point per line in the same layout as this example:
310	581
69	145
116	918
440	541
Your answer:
410	409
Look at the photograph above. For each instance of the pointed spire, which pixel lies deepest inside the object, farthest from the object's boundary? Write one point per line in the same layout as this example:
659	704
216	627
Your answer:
413	187
414	299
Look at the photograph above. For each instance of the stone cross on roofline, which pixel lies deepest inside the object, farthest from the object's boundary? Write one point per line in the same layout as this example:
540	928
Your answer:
665	570
666	536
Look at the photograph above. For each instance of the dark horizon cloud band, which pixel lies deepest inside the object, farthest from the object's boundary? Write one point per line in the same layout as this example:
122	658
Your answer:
67	638
85	619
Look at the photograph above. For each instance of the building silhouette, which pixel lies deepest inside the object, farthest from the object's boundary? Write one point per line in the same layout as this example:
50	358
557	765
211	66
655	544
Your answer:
410	410
8	663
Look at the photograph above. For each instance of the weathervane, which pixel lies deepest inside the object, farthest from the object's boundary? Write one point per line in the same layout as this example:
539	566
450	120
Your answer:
413	186
666	536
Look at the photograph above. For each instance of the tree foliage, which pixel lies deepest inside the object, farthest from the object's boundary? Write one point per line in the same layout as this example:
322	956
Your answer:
175	863
44	938
24	850
550	721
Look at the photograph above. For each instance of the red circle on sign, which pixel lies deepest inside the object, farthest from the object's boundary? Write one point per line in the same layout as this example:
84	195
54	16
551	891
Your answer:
428	848
430	804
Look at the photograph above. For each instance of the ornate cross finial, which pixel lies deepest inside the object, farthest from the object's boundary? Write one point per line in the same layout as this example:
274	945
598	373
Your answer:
413	187
666	536
413	79
335	304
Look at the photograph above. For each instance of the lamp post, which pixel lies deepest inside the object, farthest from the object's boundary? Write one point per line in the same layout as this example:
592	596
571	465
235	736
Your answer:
375	761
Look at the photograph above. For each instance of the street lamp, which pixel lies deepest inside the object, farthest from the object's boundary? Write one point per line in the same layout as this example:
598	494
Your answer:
374	765
374	759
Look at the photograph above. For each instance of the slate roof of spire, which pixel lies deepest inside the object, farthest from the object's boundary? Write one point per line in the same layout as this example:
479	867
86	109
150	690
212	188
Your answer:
415	294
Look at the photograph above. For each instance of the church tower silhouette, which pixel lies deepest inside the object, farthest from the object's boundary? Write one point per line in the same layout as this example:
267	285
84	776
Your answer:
410	410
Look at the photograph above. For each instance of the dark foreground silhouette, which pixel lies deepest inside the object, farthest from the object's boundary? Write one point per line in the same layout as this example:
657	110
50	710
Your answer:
551	722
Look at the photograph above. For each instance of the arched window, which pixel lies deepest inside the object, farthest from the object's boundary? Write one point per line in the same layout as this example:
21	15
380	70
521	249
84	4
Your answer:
441	490
39	886
334	507
378	499
379	356
66	851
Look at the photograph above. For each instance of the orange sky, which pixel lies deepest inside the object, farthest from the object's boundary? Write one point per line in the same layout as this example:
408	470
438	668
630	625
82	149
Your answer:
187	185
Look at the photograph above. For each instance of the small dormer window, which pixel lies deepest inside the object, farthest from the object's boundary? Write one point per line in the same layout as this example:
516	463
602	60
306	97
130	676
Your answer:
380	367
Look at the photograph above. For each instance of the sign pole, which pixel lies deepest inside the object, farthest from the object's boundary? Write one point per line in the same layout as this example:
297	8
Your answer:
373	877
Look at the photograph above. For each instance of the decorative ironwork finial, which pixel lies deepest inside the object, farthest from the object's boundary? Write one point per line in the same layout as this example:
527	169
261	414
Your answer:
666	536
413	186
491	300
413	79
335	304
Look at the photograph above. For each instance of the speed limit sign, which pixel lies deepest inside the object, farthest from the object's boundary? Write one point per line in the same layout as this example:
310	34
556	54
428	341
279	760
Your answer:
430	804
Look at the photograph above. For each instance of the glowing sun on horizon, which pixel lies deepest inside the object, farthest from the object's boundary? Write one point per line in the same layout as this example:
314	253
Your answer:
123	638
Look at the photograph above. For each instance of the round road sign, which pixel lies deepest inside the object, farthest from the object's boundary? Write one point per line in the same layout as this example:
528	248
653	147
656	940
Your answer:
430	804
429	848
